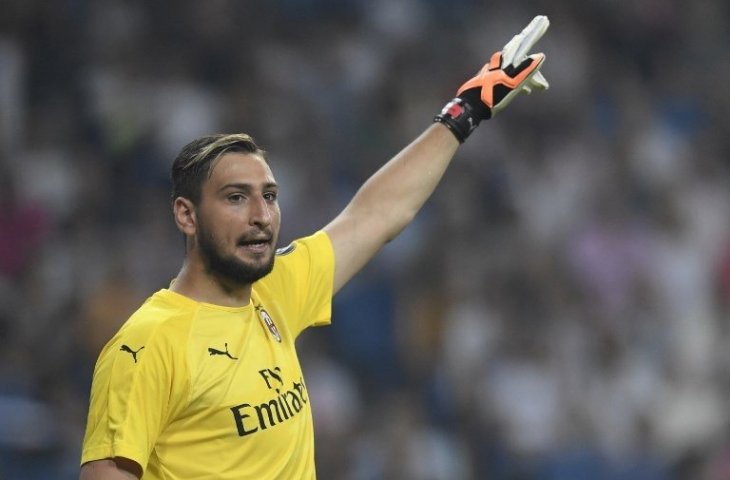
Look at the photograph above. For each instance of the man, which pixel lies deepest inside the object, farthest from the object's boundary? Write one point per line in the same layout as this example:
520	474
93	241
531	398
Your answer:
203	381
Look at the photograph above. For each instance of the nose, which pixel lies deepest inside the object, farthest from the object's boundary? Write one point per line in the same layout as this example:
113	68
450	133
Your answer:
260	214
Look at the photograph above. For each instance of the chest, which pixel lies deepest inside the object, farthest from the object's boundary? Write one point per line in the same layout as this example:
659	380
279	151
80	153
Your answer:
242	357
247	404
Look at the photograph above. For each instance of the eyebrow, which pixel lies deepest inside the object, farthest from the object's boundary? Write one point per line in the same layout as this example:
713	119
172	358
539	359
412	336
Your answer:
247	187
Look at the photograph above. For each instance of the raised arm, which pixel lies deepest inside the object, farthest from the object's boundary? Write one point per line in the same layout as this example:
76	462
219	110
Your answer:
390	198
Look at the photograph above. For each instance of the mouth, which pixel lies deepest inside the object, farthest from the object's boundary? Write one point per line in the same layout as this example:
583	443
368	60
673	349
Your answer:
256	245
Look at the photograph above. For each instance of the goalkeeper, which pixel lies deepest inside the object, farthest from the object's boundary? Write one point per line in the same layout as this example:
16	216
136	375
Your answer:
203	381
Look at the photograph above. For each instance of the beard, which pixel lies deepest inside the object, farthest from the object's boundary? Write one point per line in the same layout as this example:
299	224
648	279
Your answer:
230	268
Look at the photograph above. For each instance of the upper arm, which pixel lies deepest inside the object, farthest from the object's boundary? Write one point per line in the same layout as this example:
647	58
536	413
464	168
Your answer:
133	394
118	468
355	240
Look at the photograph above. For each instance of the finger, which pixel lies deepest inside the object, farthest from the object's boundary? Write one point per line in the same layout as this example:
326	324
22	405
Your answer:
529	36
509	50
539	82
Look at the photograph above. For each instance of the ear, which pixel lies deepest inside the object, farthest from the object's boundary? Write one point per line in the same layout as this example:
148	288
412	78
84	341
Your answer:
185	217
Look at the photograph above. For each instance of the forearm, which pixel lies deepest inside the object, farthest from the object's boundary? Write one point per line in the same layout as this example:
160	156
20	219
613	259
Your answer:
392	196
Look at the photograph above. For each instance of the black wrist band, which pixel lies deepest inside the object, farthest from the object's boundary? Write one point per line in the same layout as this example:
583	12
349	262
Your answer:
459	117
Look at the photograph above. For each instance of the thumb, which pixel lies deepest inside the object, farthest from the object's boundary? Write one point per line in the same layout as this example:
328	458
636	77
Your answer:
538	82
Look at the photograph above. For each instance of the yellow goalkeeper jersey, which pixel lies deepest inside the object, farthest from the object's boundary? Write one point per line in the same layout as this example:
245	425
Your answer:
191	390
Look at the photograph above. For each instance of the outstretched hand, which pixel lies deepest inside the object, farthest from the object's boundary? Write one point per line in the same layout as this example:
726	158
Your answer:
509	72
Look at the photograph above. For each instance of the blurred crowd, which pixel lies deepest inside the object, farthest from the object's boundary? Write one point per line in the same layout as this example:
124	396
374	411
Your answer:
558	310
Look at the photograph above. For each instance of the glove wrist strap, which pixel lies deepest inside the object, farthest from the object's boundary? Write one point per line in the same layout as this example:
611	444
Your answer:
459	117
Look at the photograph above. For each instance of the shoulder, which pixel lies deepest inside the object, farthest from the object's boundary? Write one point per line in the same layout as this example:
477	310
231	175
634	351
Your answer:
299	260
318	241
313	248
165	309
163	322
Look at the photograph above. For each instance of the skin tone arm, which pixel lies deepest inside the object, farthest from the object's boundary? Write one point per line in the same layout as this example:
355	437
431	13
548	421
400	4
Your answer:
389	200
111	469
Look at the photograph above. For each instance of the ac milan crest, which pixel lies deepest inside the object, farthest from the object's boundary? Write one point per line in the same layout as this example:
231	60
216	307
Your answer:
266	318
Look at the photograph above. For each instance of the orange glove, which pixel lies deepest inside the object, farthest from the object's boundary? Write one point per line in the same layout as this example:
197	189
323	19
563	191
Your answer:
508	73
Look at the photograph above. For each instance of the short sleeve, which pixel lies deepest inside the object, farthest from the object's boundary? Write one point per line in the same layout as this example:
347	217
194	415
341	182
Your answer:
302	281
138	384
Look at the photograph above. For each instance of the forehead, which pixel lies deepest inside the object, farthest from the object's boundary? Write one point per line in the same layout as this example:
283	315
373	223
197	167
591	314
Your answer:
237	167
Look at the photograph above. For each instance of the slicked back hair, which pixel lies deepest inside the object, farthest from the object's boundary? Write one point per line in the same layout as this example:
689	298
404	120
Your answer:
196	160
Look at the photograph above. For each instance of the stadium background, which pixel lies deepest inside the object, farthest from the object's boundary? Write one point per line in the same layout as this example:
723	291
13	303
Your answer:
557	311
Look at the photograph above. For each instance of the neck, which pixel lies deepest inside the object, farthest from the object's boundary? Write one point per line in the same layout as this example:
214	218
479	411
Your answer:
196	283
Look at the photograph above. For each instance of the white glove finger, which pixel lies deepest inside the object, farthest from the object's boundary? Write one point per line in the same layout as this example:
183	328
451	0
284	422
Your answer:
509	50
539	82
529	37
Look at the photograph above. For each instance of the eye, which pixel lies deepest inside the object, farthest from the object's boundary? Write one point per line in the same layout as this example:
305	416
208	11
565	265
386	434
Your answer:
270	196
236	198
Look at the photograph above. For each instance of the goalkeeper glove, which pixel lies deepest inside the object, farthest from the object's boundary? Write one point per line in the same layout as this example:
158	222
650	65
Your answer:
508	73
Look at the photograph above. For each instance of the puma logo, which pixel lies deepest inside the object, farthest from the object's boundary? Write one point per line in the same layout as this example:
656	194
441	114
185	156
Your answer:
214	351
134	353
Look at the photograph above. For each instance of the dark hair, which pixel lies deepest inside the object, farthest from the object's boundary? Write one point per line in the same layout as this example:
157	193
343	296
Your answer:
196	160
